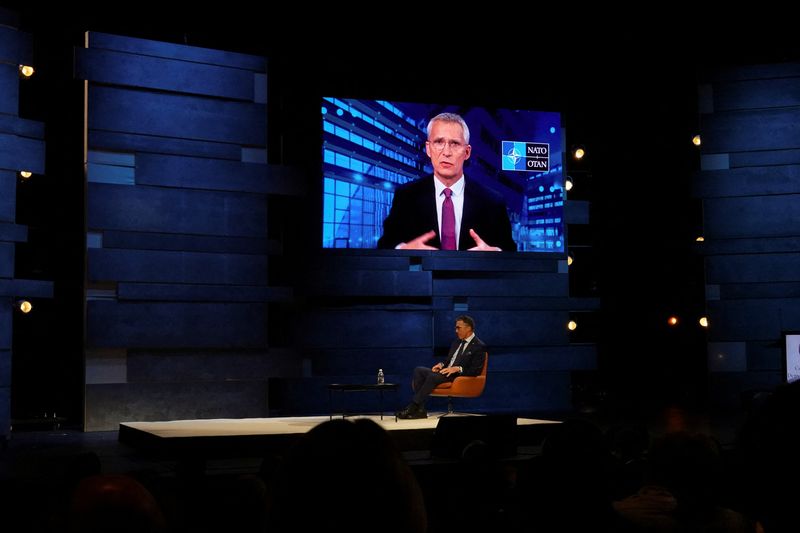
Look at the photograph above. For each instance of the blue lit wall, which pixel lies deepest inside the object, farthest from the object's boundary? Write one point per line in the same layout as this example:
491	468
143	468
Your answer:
750	189
187	223
178	186
21	148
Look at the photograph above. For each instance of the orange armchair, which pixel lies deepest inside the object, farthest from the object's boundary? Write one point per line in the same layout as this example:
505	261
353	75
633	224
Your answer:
463	386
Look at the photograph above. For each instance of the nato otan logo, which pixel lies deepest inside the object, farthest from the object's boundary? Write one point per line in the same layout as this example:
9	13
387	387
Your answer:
531	157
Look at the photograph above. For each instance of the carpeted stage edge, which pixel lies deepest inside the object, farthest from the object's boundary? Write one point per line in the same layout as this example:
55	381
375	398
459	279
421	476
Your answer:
254	437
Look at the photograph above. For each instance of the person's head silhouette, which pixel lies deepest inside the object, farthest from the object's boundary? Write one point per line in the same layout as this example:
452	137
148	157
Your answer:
347	475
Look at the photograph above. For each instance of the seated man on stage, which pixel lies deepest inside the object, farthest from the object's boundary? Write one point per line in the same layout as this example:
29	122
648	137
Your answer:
465	358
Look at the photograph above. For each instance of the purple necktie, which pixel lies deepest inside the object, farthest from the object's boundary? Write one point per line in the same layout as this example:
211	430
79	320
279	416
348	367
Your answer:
448	222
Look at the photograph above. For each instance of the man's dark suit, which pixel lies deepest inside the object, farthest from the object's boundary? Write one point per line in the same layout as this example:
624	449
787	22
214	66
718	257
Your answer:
414	213
471	360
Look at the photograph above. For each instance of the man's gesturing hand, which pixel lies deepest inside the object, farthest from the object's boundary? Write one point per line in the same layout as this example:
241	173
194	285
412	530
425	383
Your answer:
419	242
481	246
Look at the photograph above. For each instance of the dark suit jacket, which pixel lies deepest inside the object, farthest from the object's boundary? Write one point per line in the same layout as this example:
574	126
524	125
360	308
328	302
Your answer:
413	213
472	358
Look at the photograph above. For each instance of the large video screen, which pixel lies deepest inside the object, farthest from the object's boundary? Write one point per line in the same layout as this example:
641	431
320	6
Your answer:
373	148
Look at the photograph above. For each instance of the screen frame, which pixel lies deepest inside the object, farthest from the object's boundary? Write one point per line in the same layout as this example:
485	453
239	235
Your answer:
561	254
788	362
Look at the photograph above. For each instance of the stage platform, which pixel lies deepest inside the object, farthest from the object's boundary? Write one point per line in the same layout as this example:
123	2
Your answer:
224	438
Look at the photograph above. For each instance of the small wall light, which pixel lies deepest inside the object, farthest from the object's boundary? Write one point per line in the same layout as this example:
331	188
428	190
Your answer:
24	306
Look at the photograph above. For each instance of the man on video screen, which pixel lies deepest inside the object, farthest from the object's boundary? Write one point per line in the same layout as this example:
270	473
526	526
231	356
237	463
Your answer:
447	211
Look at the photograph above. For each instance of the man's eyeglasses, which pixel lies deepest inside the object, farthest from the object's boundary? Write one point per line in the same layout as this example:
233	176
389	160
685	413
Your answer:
439	145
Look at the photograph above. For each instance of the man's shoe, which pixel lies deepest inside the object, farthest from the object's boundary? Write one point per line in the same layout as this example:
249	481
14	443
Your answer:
412	411
420	413
407	411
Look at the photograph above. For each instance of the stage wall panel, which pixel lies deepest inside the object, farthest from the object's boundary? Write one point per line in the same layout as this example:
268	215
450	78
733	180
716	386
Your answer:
749	186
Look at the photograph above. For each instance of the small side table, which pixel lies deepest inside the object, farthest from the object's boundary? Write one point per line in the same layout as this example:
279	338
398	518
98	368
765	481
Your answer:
359	387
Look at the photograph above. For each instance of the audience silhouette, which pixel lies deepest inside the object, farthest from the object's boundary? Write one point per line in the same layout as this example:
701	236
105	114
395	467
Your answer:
567	487
347	475
770	444
682	489
113	503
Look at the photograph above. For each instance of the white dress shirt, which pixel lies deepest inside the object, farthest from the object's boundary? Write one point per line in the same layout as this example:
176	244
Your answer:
455	354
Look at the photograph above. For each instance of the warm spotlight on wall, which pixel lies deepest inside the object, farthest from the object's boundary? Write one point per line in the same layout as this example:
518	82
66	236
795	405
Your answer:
700	239
696	140
578	152
703	321
583	326
568	183
26	71
672	321
24	306
570	259
25	174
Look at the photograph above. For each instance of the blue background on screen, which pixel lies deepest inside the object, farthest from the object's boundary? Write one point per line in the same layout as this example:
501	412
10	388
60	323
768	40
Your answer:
370	147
